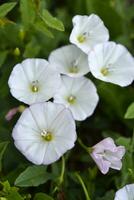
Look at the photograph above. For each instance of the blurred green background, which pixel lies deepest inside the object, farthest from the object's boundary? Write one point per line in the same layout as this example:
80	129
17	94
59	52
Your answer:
25	33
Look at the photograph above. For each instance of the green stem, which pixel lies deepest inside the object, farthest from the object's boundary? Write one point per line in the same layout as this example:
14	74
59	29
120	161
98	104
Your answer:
61	178
87	149
83	186
62	171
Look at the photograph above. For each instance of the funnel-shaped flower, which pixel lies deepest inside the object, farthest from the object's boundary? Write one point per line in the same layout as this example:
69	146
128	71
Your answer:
33	81
44	132
70	60
125	193
88	31
79	95
107	155
112	63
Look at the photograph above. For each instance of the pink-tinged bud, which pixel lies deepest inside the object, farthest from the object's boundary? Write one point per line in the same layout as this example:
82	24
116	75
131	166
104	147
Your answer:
107	155
11	113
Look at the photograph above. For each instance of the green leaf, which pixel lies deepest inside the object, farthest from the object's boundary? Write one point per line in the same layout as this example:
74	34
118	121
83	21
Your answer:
124	141
32	49
3	146
6	8
51	21
42	196
3	55
11	193
130	112
33	176
28	13
40	26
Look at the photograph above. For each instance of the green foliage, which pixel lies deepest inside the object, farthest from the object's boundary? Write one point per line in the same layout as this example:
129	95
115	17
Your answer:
130	112
33	176
6	8
51	21
33	28
10	193
42	196
3	146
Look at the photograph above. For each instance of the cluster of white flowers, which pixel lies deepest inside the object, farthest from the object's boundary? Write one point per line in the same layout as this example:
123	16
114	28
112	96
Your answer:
49	127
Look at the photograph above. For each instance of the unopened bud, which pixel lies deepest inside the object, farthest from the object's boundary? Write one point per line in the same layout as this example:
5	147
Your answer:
16	52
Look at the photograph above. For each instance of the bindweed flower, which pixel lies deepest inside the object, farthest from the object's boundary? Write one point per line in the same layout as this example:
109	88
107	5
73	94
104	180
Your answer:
125	193
112	63
88	31
79	95
70	60
33	81
44	132
107	155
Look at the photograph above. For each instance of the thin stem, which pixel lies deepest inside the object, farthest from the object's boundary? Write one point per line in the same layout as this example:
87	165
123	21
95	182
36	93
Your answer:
83	186
88	149
61	178
62	171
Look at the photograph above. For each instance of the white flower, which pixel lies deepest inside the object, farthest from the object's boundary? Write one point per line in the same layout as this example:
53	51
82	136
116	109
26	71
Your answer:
112	63
88	31
70	60
125	193
44	132
79	95
33	81
107	155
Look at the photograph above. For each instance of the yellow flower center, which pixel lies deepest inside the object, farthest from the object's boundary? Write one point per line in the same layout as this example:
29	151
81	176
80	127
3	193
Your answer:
35	87
81	38
104	71
73	69
47	136
71	99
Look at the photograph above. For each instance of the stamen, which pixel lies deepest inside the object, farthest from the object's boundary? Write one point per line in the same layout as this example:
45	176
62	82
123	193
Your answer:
71	99
35	87
104	71
81	38
47	136
73	69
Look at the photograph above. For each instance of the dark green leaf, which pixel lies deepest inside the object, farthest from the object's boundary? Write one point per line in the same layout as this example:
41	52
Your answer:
33	176
6	8
42	196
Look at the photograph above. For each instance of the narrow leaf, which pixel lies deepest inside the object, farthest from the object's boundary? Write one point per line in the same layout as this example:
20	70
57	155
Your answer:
51	21
6	8
27	12
40	26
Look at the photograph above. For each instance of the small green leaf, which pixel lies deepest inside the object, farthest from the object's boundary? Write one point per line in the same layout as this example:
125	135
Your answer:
33	176
130	112
28	13
124	141
51	21
42	196
6	8
3	146
40	26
